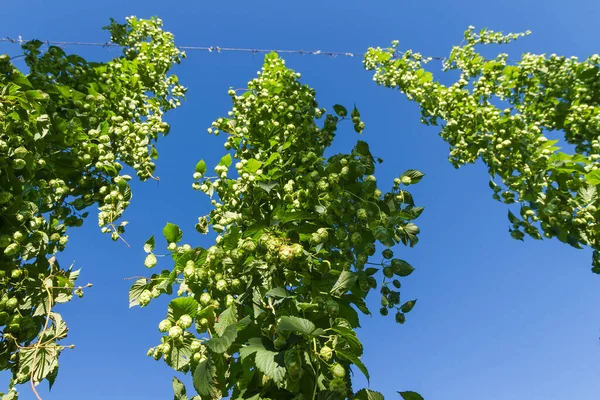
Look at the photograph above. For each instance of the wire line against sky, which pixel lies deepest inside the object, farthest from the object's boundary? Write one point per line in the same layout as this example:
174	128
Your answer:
209	49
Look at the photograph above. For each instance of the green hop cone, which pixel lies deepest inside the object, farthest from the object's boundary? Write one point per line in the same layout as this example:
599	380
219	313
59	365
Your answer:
175	332
387	254
150	260
332	308
361	214
338	385
338	371
12	249
388	272
145	298
205	299
221	285
185	321
19	163
164	325
12	303
326	353
400	317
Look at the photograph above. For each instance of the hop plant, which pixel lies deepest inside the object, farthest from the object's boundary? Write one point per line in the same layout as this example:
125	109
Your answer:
295	230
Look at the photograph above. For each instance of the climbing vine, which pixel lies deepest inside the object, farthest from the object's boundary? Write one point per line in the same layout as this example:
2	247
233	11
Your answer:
508	115
67	129
270	311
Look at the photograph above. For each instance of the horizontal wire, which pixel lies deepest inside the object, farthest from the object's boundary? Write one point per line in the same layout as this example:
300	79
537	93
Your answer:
210	49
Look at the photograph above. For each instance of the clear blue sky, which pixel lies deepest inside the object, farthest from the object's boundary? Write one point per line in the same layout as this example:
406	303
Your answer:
496	318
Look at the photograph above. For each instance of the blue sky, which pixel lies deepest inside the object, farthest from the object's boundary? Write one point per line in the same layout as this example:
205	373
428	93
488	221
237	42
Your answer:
495	318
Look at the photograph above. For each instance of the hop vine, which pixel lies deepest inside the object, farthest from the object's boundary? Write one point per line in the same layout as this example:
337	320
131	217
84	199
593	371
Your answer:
271	309
505	115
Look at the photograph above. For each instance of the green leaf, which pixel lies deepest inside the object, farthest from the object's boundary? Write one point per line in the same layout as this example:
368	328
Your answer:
289	216
512	218
136	291
267	187
204	379
354	360
411	396
227	318
179	390
300	325
181	306
278	292
329	395
269	362
340	110
355	113
272	365
181	354
401	267
172	233
362	148
226	160
414	175
149	245
222	343
366	394
406	307
252	165
345	281
46	361
271	158
588	194
201	167
593	178
36	95
347	335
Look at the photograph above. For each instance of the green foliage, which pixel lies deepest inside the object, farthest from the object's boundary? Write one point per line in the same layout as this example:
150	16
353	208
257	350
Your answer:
67	129
503	114
277	296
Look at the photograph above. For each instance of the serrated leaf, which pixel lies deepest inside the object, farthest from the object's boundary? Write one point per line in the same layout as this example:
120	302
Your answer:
221	344
172	233
181	354
201	167
136	291
227	317
411	395
226	160
354	360
406	307
252	165
300	325
179	390
289	216
340	110
272	365
267	187
269	362
149	245
278	292
414	175
345	281
588	194
366	394
181	306
204	379
401	267
329	395
46	361
593	178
